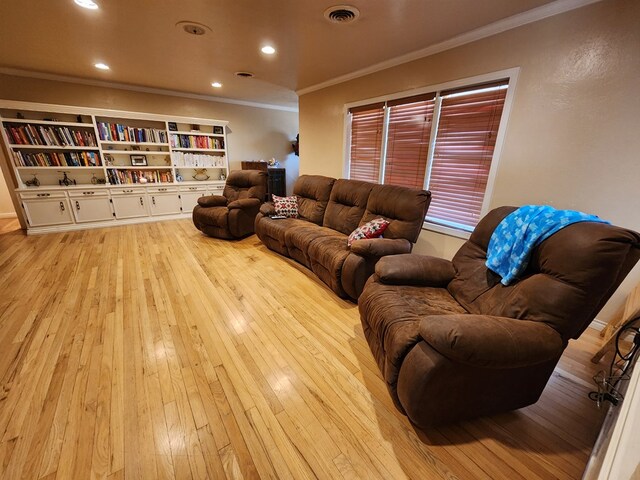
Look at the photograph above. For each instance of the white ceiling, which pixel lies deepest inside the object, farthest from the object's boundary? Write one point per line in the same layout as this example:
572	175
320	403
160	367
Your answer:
141	43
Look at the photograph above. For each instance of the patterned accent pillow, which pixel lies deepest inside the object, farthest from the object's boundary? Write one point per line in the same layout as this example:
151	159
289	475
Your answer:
286	206
373	229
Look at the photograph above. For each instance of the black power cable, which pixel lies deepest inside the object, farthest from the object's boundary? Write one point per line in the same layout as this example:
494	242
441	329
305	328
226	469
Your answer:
620	368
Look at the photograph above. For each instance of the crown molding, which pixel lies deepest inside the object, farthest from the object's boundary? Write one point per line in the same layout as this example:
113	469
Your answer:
524	18
135	88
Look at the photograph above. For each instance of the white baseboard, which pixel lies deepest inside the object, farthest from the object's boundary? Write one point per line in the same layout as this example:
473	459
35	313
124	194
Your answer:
8	215
598	324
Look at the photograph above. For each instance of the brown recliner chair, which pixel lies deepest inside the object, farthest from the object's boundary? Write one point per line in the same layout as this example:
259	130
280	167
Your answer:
453	343
232	214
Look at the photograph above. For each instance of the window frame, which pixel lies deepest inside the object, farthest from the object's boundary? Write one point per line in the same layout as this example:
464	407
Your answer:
511	74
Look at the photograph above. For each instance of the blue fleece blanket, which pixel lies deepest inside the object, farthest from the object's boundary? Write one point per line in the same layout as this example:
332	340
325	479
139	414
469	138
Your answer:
520	232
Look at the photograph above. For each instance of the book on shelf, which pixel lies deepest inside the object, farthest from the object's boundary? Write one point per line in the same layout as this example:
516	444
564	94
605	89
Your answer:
47	135
197	160
195	141
116	132
56	159
124	177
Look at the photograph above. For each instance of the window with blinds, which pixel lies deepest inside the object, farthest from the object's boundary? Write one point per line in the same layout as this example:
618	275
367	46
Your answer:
442	141
409	130
366	142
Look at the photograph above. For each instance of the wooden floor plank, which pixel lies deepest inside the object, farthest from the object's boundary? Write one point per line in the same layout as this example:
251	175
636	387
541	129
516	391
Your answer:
152	351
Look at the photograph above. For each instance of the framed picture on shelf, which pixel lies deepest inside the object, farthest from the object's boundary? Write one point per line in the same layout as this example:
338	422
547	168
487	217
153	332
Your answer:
138	160
173	126
218	130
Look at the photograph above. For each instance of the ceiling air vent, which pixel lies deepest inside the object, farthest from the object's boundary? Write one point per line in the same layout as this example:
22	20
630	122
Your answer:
193	28
341	14
244	74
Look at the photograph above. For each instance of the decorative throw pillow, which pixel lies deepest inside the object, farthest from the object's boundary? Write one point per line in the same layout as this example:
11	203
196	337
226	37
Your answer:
373	229
286	206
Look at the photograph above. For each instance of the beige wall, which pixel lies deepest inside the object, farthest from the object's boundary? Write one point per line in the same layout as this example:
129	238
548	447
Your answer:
6	206
574	133
255	133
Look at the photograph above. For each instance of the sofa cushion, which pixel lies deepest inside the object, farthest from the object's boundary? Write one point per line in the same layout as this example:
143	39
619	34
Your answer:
286	206
299	237
212	216
391	316
245	184
372	229
327	255
272	232
405	208
313	192
347	205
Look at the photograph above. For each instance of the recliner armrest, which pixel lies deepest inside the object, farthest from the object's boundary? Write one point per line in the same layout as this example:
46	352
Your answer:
244	203
212	201
268	209
413	269
380	247
492	342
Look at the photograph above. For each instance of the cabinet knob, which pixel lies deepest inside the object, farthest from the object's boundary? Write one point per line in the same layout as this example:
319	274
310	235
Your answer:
153	200
43	194
77	205
62	206
141	201
88	193
162	189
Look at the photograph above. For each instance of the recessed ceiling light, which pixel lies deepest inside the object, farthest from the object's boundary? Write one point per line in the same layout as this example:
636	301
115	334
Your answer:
268	49
102	66
87	4
216	85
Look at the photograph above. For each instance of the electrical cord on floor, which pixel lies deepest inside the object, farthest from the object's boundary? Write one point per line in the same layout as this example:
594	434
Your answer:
622	363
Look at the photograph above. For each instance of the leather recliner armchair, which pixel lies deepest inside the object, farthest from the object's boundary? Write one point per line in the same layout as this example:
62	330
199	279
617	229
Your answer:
453	343
232	215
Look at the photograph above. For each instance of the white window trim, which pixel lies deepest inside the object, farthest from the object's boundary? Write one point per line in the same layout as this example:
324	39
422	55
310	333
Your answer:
510	73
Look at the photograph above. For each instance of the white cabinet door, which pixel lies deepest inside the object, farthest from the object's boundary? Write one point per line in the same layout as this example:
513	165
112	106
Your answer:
130	206
164	203
54	211
92	209
189	197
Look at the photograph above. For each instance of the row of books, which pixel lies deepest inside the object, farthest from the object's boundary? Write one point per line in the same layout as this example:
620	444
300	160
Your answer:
116	132
181	159
57	159
49	136
195	141
123	177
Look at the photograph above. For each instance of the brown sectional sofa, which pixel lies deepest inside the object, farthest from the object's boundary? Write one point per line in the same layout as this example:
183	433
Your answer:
453	343
329	210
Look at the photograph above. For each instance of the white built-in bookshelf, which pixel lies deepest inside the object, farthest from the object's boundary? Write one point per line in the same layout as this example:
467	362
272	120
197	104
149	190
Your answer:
82	167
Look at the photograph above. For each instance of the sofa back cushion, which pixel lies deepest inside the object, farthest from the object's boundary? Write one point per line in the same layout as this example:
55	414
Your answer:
313	193
245	184
569	278
347	204
405	208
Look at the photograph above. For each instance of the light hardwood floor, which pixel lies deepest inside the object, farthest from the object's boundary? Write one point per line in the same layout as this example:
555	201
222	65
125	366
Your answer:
150	351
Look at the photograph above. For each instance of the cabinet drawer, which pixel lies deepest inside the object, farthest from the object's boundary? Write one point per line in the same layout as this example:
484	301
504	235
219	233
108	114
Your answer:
42	195
162	189
88	193
127	191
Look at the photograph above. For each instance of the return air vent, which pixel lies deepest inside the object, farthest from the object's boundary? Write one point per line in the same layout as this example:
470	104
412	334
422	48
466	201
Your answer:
341	14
